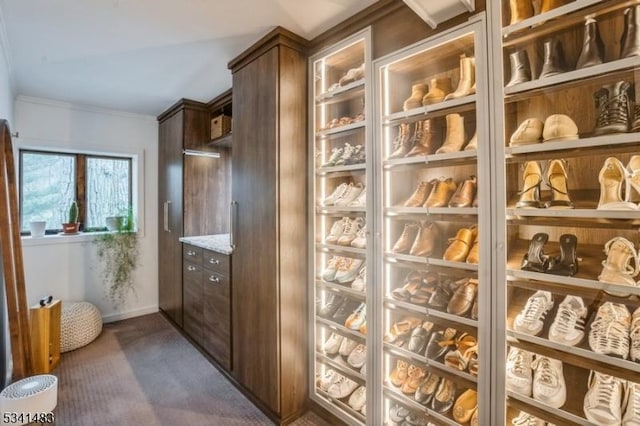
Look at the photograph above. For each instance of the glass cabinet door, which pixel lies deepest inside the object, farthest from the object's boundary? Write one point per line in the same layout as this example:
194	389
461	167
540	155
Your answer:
433	285
570	315
340	219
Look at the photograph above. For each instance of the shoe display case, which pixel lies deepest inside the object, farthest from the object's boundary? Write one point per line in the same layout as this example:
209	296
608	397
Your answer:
341	253
432	276
567	140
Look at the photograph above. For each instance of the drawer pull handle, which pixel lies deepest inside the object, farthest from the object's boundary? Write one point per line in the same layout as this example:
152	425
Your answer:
214	279
214	261
191	253
191	268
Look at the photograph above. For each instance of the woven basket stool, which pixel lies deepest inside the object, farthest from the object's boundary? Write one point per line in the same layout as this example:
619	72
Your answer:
81	324
33	396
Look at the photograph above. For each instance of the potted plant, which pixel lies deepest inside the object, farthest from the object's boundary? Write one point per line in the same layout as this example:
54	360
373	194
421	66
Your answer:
72	226
118	252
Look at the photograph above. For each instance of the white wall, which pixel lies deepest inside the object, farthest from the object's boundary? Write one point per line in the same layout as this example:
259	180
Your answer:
6	89
67	267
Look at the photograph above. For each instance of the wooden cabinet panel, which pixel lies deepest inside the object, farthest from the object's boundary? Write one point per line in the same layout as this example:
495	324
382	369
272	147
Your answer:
255	266
192	254
193	301
217	262
197	128
217	317
170	216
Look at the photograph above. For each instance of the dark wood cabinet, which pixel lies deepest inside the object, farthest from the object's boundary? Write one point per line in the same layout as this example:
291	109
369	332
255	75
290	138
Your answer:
193	304
269	222
184	125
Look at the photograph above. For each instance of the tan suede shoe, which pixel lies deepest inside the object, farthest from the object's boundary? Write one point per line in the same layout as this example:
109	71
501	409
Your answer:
463	197
460	245
408	236
427	238
441	192
419	196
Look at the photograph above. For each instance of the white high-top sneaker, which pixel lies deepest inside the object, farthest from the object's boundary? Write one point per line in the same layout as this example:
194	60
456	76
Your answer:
548	381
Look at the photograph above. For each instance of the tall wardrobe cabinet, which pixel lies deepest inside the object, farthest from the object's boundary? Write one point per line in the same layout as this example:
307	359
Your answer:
268	222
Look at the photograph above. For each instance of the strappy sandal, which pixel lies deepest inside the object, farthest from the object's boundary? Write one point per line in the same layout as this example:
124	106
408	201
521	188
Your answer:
412	283
633	173
535	260
466	348
557	180
400	330
531	181
612	177
567	263
621	265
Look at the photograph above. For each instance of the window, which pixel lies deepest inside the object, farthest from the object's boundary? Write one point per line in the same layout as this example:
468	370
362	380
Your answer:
50	181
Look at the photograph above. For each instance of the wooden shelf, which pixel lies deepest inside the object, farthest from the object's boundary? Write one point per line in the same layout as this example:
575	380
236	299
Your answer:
342	249
342	170
428	211
346	210
223	141
340	364
346	408
430	313
342	289
342	330
465	103
360	125
539	408
344	93
450	159
430	261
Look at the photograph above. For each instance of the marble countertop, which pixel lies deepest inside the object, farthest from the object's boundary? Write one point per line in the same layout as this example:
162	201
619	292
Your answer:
218	243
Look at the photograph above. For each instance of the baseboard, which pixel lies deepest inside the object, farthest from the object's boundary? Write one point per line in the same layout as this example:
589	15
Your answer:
130	314
324	414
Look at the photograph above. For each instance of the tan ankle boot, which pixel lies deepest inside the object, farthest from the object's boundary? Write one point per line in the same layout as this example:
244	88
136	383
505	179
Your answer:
415	100
520	10
438	89
441	192
402	142
426	239
467	83
419	196
455	134
423	146
547	5
408	236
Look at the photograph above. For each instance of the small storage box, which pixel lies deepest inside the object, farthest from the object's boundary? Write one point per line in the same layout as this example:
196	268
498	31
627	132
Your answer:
220	125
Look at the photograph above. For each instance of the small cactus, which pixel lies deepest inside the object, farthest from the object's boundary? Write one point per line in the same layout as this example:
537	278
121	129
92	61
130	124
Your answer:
73	212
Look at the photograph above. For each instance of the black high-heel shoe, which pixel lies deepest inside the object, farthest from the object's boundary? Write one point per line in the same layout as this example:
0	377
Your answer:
535	260
567	263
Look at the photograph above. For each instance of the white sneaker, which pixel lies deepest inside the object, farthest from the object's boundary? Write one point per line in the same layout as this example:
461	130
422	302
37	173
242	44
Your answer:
531	319
632	405
602	402
342	387
336	153
609	333
337	194
347	346
360	282
548	381
358	398
358	356
332	344
568	325
361	201
519	373
337	229
361	238
349	195
324	380
526	419
634	335
348	270
350	231
329	273
347	152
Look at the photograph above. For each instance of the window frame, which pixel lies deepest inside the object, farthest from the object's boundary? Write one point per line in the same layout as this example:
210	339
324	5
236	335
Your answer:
80	181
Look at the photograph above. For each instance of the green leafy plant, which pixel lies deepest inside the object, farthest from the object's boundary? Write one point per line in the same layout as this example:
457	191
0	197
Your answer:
119	252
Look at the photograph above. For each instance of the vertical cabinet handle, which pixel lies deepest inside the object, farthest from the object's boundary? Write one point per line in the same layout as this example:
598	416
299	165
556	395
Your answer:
232	212
166	216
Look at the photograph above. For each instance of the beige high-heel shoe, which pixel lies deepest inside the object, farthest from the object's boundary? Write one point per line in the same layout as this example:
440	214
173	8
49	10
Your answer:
557	181
633	175
612	177
621	265
531	180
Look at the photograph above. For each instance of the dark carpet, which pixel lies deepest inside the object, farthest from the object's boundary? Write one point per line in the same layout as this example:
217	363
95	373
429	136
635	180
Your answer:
141	371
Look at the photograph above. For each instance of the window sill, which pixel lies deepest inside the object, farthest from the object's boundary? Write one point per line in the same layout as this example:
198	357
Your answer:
28	241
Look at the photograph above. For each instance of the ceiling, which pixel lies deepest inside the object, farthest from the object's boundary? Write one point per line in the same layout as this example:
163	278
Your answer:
142	56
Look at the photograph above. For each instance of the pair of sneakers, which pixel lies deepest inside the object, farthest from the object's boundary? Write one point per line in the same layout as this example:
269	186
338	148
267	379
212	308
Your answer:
335	384
540	377
612	401
348	232
345	156
568	325
342	269
616	332
356	353
347	195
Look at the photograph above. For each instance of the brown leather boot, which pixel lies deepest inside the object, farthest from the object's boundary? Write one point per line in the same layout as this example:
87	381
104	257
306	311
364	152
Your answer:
460	245
415	100
419	196
592	46
463	197
467	82
438	89
426	240
441	192
520	10
520	68
553	58
630	42
456	136
547	5
402	142
423	145
408	236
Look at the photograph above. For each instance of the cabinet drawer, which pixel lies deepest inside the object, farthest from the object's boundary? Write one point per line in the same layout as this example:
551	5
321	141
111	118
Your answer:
192	253
191	271
217	317
216	262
